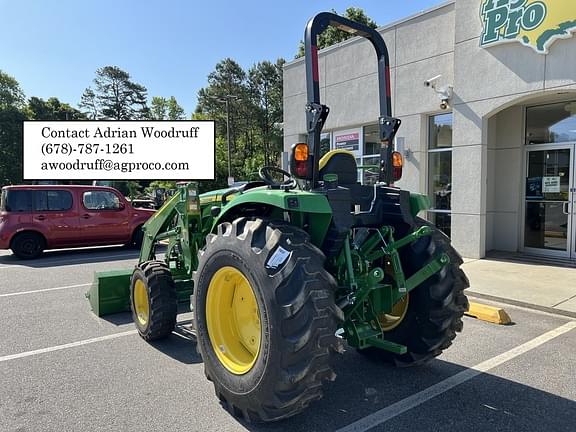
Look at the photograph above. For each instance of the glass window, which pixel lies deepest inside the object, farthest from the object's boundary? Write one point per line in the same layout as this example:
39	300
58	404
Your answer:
440	179
443	221
53	200
371	140
101	200
440	131
440	170
553	123
324	144
18	201
370	170
370	159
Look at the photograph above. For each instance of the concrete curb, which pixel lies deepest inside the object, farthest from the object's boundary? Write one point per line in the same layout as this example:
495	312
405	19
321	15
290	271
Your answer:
547	309
488	313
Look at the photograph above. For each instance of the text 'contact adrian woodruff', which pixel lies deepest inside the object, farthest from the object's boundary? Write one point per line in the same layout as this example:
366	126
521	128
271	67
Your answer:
142	150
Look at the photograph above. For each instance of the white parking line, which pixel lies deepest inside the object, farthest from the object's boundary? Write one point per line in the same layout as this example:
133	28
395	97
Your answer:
66	346
425	395
44	290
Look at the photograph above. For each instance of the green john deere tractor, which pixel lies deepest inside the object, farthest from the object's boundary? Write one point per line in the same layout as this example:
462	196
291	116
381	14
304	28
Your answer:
281	271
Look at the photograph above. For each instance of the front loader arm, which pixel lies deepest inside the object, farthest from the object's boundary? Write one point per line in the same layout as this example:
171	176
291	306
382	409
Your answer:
179	222
155	225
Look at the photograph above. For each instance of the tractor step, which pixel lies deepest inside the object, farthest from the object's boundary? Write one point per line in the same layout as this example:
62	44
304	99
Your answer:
386	345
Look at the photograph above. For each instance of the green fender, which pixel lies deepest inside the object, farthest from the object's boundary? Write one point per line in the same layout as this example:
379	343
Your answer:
419	203
308	210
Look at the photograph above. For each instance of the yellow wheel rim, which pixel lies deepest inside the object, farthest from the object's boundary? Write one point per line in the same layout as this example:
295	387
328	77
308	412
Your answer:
393	319
141	304
233	320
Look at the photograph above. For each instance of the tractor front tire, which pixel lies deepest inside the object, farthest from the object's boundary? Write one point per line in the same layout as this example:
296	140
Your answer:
153	300
434	309
265	318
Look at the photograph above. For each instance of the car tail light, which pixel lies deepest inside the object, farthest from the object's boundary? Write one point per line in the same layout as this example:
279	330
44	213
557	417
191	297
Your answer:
397	164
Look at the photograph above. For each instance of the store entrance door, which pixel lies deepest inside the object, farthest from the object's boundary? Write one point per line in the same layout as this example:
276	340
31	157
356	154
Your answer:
550	200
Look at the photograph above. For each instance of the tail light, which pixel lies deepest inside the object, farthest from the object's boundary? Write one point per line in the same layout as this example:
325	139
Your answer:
397	163
299	161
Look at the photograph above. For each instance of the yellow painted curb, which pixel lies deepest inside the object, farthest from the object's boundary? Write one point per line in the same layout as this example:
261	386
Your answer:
487	313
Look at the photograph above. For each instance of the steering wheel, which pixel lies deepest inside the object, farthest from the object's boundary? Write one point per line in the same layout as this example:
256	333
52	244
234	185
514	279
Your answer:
266	172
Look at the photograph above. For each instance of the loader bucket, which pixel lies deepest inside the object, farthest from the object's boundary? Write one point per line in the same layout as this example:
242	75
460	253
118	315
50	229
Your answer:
110	292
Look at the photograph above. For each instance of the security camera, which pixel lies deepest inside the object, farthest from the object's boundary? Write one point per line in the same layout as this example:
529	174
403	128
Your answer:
445	94
432	81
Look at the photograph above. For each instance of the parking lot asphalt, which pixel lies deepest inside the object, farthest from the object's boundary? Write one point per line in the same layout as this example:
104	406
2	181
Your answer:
64	369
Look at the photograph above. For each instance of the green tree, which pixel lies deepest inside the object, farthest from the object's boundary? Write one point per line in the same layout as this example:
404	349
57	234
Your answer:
11	95
166	109
115	96
158	108
227	81
255	105
265	85
12	113
89	103
129	188
332	35
164	184
52	109
11	144
175	111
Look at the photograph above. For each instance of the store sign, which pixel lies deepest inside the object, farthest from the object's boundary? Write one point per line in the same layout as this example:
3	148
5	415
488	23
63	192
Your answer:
551	184
534	188
348	141
534	23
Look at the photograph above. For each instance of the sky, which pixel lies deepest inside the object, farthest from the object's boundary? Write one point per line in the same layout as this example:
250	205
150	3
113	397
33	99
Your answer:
53	48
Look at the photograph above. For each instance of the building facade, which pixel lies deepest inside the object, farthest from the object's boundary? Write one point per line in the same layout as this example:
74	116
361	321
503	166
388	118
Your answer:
491	138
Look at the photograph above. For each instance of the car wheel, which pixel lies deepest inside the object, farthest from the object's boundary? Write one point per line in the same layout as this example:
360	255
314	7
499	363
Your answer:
28	245
137	238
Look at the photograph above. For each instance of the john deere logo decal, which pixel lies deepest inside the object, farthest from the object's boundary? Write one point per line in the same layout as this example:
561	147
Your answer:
534	23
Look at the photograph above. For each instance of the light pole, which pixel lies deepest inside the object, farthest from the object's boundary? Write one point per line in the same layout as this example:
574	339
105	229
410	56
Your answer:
226	99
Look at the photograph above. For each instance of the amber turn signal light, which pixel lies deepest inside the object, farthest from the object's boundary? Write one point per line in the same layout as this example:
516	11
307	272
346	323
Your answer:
301	152
300	161
397	163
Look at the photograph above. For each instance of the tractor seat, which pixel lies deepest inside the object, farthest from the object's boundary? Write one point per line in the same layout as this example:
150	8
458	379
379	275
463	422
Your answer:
343	164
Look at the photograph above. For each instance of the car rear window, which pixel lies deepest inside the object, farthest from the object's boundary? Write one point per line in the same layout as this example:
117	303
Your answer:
52	200
14	200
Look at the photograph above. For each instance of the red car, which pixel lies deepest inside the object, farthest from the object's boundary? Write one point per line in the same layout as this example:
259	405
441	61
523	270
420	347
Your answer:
35	218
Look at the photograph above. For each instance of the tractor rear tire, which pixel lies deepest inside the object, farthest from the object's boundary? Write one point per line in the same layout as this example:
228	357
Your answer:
293	323
435	308
153	300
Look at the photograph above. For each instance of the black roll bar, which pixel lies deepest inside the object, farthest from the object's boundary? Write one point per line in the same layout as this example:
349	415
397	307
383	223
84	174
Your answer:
316	113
